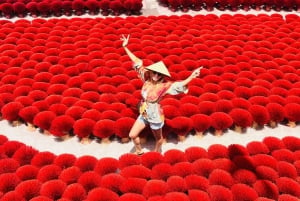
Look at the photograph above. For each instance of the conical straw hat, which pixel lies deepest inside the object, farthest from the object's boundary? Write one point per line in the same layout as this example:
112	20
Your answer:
159	67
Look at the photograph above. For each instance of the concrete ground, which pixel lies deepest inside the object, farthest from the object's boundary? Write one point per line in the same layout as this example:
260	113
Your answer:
115	148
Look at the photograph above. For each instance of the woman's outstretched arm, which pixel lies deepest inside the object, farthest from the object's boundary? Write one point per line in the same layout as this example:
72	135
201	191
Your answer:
181	86
132	57
194	74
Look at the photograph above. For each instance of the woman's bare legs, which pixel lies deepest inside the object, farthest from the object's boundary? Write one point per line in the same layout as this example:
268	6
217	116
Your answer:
158	138
136	129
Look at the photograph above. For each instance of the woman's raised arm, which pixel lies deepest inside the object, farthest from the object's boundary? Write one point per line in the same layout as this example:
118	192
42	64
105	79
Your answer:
181	86
194	74
133	58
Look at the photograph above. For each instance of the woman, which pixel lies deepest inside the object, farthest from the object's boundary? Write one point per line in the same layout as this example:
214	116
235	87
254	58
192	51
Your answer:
153	90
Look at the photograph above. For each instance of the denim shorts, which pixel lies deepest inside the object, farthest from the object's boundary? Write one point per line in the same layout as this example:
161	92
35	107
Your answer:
154	126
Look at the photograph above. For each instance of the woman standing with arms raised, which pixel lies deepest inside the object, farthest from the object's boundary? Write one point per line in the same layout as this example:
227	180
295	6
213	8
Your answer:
153	90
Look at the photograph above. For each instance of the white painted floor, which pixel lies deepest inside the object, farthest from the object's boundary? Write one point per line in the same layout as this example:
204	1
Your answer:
115	148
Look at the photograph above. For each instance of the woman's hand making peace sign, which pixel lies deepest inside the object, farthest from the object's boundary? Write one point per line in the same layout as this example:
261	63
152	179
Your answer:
125	40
